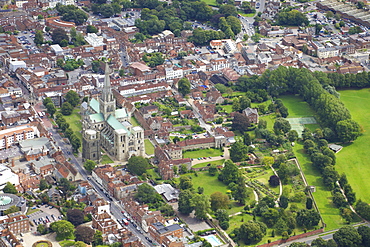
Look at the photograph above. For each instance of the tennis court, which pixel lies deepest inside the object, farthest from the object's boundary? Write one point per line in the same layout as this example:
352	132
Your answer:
298	123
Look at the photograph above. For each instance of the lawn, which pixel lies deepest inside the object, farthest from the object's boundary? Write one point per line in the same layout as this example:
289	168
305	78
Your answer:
74	121
270	119
210	183
149	148
353	159
134	122
216	162
153	174
312	127
227	108
211	152
31	211
246	15
297	107
106	160
328	211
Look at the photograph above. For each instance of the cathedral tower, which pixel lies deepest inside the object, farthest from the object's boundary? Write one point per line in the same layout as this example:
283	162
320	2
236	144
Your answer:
107	100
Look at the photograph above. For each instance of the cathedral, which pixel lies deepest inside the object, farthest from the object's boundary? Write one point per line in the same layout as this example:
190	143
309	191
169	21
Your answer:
105	127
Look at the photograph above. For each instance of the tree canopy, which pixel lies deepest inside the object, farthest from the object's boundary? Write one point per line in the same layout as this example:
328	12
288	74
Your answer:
64	229
137	165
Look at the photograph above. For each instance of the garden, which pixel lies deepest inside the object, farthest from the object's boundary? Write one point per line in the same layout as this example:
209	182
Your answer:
200	153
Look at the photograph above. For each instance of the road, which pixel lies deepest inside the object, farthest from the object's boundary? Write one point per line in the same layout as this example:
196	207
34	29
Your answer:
200	119
115	207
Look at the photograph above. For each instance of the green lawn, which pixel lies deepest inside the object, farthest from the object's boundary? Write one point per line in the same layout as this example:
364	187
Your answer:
31	211
134	122
270	119
152	173
297	107
74	121
246	15
106	160
210	183
312	127
329	212
211	152
353	159
149	148
227	108
216	162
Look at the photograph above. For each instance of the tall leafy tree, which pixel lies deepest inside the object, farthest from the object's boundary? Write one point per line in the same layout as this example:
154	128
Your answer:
219	201
64	229
202	206
347	236
238	152
186	202
72	98
39	37
251	232
184	86
10	188
137	165
230	173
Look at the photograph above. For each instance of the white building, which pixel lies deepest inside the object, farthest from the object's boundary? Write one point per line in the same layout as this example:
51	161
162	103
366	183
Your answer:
14	65
7	176
327	52
11	136
57	49
94	40
174	72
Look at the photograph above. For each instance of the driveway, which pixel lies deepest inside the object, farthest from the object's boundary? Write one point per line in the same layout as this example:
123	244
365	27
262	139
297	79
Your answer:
30	238
226	157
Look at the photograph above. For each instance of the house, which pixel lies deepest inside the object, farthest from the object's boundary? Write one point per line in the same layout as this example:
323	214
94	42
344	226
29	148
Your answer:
54	195
252	115
147	111
214	96
159	232
168	192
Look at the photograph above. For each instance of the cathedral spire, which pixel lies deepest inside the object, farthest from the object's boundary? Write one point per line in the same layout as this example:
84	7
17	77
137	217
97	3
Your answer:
107	91
107	101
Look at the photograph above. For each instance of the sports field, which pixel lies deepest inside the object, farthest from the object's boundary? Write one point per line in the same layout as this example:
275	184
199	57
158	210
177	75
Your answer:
353	160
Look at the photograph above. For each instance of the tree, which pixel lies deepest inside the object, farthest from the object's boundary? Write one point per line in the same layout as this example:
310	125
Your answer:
329	14
348	130
307	218
91	29
11	209
283	202
42	229
66	109
137	165
238	152
75	216
51	109
98	238
363	209
72	98
75	142
239	192
202	206
347	236
186	205
319	242
46	101
219	201
184	86
167	210
185	183
292	135
291	18
147	194
222	215
281	126
256	38
364	232
79	244
84	234
39	37
309	203
43	184
10	188
274	181
228	10
240	122
270	216
64	229
213	170
89	165
251	232
230	173
58	35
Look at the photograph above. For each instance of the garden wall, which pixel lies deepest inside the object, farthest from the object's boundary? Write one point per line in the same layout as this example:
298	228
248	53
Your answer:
303	235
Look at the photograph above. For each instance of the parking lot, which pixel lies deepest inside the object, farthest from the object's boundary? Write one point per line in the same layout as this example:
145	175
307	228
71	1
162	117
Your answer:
44	216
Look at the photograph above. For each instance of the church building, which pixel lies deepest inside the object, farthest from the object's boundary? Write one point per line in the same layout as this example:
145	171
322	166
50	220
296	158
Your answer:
108	128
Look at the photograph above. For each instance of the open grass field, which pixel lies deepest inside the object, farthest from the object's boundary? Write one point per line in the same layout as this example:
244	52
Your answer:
297	107
328	211
227	108
149	148
74	121
204	164
106	160
134	122
353	159
210	183
211	152
270	119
